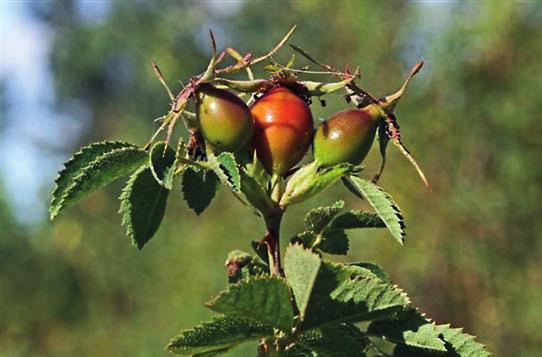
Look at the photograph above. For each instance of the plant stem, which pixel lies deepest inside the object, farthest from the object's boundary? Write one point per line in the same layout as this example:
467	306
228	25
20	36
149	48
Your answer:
272	240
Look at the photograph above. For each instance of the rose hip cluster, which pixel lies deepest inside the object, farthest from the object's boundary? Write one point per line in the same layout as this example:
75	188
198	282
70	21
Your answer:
276	122
279	127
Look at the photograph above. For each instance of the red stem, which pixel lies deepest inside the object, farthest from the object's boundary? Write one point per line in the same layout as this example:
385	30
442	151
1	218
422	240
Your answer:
272	240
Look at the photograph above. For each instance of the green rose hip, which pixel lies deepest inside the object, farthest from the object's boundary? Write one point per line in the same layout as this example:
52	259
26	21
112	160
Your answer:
224	119
347	136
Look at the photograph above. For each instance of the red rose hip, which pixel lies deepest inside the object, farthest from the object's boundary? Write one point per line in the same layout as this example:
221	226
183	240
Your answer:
283	129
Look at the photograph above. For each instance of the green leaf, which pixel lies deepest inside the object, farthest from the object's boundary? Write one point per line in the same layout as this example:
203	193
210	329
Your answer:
260	250
413	332
410	329
344	293
229	166
143	204
311	180
241	265
266	300
239	180
358	219
350	187
375	269
219	335
162	159
225	167
318	218
329	293
333	241
460	343
306	239
319	235
256	194
256	170
384	206
79	161
301	268
199	188
344	340
99	172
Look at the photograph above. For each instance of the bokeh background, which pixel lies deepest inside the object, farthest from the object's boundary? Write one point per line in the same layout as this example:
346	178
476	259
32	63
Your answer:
74	72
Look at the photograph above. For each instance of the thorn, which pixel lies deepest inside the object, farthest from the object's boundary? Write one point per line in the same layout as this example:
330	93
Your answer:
409	157
213	42
220	57
160	77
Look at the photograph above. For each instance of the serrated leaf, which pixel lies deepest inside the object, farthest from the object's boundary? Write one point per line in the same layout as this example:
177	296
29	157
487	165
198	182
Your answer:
199	188
384	206
410	329
333	241
350	187
460	343
161	160
230	179
344	293
266	300
180	161
413	332
229	166
375	269
101	171
306	239
143	204
301	268
80	160
344	340
311	180
219	335
358	219
318	218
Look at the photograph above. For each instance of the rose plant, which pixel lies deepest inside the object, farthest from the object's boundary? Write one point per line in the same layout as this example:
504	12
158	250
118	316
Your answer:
250	135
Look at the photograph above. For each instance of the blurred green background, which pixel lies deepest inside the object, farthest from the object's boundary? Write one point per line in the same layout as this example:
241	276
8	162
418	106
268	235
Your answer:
471	118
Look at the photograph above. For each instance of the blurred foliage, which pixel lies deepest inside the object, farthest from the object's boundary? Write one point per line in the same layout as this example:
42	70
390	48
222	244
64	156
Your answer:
473	250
